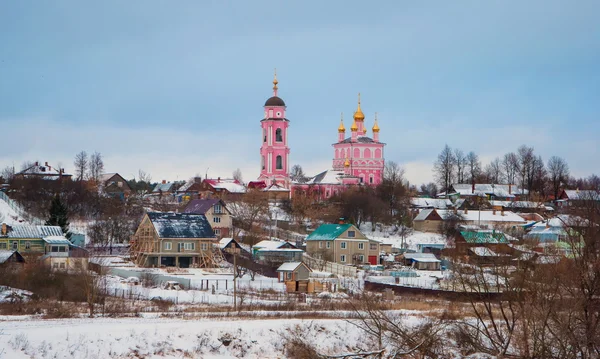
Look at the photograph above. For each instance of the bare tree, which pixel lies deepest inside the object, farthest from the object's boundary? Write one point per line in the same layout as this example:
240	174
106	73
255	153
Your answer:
430	189
473	166
494	171
96	166
237	175
81	165
444	168
461	165
297	174
510	165
8	173
558	170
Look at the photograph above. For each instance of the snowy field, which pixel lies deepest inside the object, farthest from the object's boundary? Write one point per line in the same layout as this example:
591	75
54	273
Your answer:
166	338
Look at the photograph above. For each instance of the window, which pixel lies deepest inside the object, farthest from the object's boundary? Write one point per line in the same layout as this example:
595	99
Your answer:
264	135
278	136
263	159
342	258
189	246
362	179
218	208
278	163
62	265
289	275
216	219
55	265
351	234
3	246
168	246
204	246
27	245
371	179
373	246
15	245
361	259
361	246
328	245
62	249
217	232
54	249
320	244
343	245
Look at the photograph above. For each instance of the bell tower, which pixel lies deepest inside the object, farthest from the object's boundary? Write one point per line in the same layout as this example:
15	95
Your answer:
274	151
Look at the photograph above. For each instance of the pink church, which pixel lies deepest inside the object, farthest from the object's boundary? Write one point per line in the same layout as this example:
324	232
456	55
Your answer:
357	160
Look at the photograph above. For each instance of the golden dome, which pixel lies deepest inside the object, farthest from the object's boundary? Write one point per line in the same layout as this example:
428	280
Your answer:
354	126
275	82
347	163
342	128
375	126
359	115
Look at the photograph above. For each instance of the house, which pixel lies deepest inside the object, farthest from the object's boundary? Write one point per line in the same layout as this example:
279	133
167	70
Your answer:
494	240
576	197
114	185
230	245
216	213
422	261
191	189
173	240
438	203
226	188
487	256
61	255
27	239
10	259
275	252
431	220
293	271
343	244
277	193
504	192
45	172
521	206
164	188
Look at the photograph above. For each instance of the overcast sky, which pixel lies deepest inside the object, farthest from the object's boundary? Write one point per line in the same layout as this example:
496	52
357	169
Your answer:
177	88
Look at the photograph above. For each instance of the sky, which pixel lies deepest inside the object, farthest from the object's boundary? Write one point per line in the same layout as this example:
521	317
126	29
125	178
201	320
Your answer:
177	88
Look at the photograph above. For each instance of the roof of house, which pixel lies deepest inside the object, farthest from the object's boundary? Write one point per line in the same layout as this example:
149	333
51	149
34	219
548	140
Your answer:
29	231
441	203
359	139
39	169
276	188
498	190
328	232
474	216
181	225
485	252
484	236
164	187
422	257
57	240
424	214
201	206
228	184
582	194
271	245
6	254
327	177
291	266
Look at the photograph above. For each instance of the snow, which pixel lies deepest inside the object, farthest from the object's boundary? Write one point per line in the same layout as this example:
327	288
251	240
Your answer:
8	215
483	216
8	294
288	267
389	236
269	245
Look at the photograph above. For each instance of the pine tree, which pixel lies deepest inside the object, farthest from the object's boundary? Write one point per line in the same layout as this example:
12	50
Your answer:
59	215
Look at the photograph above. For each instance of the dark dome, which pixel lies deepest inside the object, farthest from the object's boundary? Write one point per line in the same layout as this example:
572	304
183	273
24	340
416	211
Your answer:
275	101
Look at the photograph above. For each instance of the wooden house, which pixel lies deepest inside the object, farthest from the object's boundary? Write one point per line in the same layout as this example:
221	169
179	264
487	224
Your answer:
27	239
293	271
275	252
10	259
226	188
114	185
174	240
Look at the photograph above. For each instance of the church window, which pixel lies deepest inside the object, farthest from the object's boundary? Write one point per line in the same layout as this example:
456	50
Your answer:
278	163
264	135
278	137
356	153
278	114
378	153
263	162
367	153
371	179
270	113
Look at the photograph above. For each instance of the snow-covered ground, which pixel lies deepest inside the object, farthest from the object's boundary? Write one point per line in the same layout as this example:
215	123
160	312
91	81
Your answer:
167	338
9	216
388	236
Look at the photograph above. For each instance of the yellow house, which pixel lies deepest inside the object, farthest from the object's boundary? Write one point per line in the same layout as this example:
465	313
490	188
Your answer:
343	244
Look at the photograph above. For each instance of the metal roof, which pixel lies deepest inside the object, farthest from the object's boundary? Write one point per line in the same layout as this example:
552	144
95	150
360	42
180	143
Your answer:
28	231
328	232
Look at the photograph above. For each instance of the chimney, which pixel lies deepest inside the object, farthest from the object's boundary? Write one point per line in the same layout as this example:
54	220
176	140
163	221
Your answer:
510	188
164	181
466	211
494	212
473	188
4	229
218	179
341	221
46	164
36	163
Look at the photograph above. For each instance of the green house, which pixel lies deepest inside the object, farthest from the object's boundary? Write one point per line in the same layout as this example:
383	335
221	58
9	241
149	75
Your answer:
27	238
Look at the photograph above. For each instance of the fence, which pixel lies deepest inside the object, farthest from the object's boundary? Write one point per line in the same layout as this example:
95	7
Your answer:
331	267
248	263
21	212
445	294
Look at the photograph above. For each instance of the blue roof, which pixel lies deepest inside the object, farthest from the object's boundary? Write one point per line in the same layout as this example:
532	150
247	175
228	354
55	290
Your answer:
181	225
328	232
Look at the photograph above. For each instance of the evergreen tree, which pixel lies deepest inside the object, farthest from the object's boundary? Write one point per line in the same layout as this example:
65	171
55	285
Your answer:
59	215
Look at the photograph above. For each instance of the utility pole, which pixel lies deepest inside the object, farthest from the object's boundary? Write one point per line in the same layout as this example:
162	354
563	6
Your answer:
234	251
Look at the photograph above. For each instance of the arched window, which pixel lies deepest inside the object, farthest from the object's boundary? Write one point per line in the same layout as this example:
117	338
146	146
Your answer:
367	153
278	163
371	179
356	153
263	162
278	136
378	153
337	153
264	135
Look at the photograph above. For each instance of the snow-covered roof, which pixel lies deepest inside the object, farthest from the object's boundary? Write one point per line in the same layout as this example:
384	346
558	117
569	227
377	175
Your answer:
224	242
289	266
28	231
484	216
228	184
163	187
44	170
440	203
519	204
498	190
5	254
56	240
276	188
422	257
484	252
582	194
423	214
327	177
181	225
